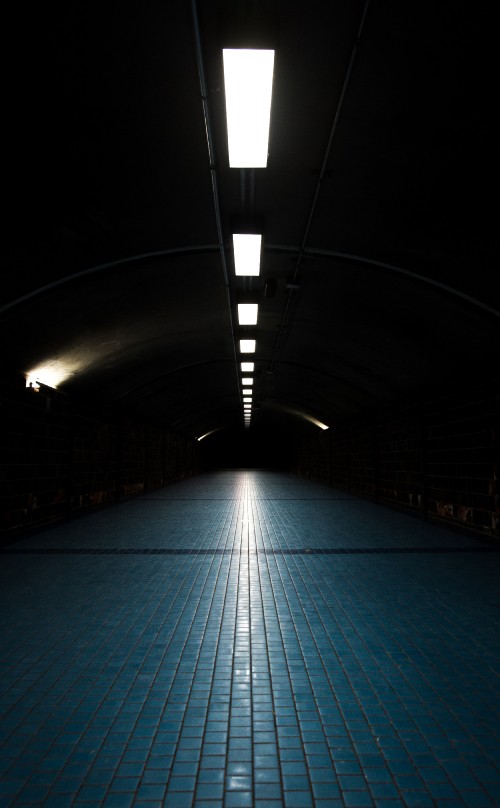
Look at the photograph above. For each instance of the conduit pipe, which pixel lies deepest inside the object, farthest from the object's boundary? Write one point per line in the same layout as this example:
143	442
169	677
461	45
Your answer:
213	176
312	210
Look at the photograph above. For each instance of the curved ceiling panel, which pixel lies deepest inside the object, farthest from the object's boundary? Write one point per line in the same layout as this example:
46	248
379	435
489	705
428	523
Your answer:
377	276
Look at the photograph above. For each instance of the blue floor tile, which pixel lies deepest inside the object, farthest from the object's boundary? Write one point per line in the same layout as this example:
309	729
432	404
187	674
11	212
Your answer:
284	645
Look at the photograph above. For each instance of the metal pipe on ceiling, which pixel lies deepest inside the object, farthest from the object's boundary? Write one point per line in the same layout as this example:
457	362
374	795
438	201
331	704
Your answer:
213	175
312	209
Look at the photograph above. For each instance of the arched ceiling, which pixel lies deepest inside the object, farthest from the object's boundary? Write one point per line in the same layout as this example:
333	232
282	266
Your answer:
378	276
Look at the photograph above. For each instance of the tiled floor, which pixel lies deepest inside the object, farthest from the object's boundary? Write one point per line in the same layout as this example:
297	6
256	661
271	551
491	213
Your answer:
249	639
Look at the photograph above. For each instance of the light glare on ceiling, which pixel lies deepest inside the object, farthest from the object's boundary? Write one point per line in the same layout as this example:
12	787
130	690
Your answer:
247	247
248	82
51	374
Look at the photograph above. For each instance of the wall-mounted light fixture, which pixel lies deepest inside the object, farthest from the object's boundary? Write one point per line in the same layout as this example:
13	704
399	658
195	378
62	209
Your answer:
51	374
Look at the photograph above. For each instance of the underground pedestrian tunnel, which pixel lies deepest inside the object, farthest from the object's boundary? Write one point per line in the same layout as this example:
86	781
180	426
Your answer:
249	407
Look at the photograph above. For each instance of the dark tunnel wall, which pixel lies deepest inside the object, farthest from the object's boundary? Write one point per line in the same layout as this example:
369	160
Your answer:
438	457
62	457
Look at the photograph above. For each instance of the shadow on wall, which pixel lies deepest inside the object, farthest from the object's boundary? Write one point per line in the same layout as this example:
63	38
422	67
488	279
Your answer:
251	449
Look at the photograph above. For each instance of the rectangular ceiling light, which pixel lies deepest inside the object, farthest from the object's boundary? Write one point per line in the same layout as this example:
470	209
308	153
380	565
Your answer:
246	380
247	391
247	345
247	313
247	401
247	248
248	81
248	367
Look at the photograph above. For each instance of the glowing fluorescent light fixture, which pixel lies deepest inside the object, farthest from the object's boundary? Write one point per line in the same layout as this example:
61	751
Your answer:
247	313
247	345
247	247
247	391
247	367
248	81
247	400
246	380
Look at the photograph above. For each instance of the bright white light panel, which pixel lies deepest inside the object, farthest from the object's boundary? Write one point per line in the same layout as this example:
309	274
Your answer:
247	249
247	345
248	82
248	313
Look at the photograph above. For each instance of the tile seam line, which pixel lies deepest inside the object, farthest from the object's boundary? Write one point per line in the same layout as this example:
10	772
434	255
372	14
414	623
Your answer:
203	552
211	565
286	655
308	571
114	681
186	567
257	521
178	622
115	631
298	571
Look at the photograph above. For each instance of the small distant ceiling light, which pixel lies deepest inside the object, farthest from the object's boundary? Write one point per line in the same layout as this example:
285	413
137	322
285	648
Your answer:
248	82
247	391
247	401
247	345
247	380
248	313
247	367
247	248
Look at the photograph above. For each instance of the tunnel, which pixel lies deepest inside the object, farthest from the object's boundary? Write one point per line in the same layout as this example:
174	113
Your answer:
250	396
